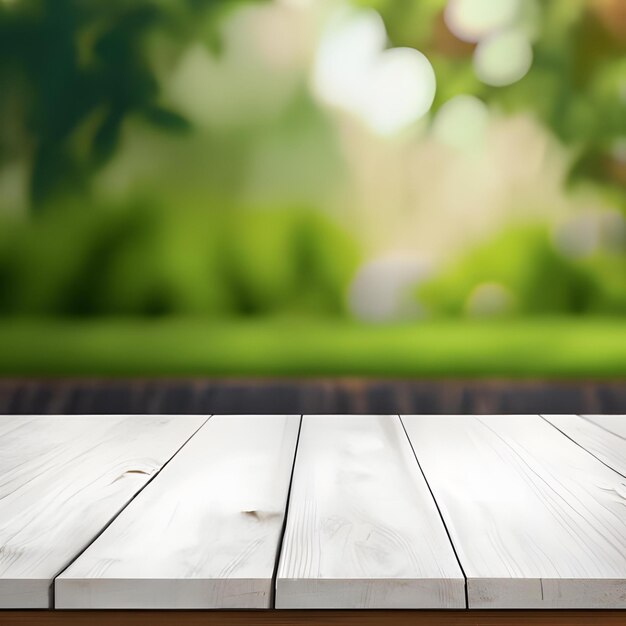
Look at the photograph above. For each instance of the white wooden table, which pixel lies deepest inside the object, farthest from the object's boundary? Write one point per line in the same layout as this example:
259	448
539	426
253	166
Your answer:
312	512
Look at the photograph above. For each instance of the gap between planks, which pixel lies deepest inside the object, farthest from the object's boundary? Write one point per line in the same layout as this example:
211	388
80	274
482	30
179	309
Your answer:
585	444
279	548
443	521
77	556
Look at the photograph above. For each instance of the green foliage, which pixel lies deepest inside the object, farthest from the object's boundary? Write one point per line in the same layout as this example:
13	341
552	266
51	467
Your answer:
147	261
575	85
325	258
72	71
525	266
410	22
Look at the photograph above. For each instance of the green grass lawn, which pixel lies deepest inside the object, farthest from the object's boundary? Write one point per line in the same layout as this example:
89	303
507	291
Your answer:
555	347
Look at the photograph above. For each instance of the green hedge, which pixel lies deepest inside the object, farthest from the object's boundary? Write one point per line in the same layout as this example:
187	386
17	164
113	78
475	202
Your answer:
145	261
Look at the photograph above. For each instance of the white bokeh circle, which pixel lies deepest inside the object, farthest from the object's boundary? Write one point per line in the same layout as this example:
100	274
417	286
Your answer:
503	58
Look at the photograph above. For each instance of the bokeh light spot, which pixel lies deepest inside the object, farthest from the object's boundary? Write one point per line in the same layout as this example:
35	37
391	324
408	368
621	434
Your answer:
348	47
489	299
503	58
384	288
461	122
472	20
400	90
386	89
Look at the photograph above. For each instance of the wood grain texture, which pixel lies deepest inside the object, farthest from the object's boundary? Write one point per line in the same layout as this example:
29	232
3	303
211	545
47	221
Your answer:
537	522
604	436
204	534
363	530
285	617
62	479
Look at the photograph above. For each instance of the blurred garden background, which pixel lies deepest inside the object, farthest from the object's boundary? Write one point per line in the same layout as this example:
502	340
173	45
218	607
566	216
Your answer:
313	187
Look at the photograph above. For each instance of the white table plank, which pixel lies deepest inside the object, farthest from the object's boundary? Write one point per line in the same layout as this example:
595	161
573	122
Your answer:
62	479
599	434
613	423
537	521
363	530
204	534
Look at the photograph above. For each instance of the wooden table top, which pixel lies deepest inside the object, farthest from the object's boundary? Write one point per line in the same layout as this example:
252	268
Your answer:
276	513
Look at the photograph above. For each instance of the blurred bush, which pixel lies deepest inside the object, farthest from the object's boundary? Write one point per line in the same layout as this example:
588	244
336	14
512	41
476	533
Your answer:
142	260
521	272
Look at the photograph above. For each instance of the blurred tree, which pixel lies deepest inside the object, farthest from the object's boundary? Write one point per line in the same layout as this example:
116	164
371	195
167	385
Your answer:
576	85
72	70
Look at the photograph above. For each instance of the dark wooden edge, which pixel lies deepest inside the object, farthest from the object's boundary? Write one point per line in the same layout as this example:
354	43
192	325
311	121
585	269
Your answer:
314	617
